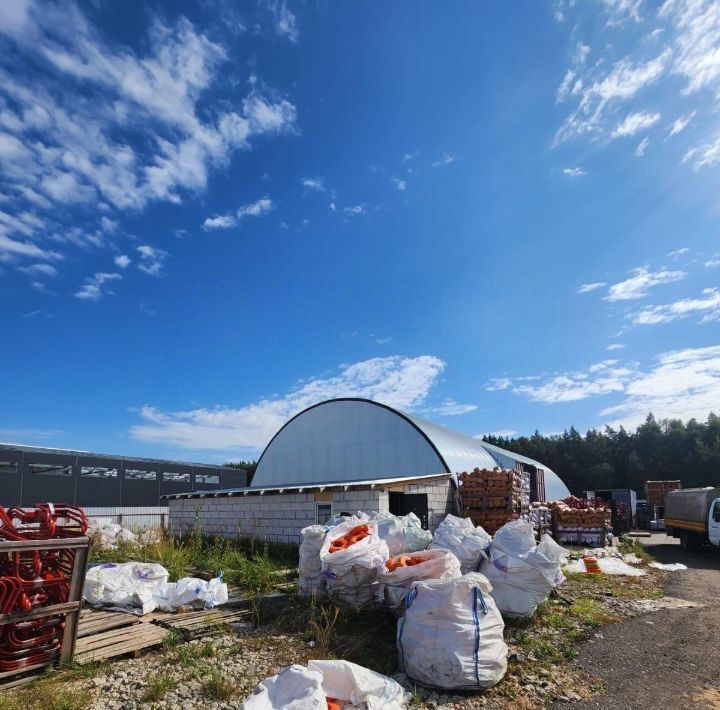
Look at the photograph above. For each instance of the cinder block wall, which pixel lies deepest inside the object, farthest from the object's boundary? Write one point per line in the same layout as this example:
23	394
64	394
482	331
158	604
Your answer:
273	518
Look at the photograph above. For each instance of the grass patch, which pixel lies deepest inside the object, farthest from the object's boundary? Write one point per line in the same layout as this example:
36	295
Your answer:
173	638
45	694
630	545
187	654
158	686
218	687
243	562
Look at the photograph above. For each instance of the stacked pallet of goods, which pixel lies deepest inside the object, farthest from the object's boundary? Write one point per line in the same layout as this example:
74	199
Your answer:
540	515
655	491
577	521
491	498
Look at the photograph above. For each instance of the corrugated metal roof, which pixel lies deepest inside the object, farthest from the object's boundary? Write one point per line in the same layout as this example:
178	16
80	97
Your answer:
89	454
257	490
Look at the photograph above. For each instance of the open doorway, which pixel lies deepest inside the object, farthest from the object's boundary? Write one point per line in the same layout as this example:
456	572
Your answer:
404	503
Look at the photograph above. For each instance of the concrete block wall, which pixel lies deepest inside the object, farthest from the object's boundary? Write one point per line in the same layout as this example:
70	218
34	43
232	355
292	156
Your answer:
441	499
360	499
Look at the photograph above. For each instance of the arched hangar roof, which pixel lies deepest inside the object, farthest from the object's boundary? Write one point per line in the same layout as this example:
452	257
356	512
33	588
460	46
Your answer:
353	439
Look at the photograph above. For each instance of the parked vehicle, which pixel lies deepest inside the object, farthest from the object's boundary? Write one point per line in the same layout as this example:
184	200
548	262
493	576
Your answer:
693	515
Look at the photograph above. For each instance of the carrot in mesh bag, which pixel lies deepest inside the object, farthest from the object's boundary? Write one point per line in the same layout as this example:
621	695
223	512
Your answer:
333	704
405	561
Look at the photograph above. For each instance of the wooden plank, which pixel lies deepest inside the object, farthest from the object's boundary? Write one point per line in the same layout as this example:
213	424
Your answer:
117	636
39	613
119	642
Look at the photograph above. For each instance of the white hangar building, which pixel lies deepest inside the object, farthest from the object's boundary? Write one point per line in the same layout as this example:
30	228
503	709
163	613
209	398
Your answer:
345	455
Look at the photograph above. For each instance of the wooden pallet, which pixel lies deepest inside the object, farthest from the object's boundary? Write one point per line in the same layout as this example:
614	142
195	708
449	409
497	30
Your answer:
119	642
194	624
94	621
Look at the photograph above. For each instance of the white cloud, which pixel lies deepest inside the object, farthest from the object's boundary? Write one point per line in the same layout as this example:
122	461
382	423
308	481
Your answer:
11	248
223	221
634	123
350	211
642	147
498	383
87	121
599	379
587	288
574	172
251	209
707	306
615	346
285	20
680	124
712	263
622	82
398	381
445	159
406	157
122	260
620	11
640	283
255	209
317	184
449	408
39	269
705	155
678	252
682	384
399	184
95	286
152	259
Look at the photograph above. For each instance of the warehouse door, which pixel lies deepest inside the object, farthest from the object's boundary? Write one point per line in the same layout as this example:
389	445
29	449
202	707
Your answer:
404	503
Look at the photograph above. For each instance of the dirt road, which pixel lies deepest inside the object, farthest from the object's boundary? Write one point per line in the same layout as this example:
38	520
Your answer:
669	659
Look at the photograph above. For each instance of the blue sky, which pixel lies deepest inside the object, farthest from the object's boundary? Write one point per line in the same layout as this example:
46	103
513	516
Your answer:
498	216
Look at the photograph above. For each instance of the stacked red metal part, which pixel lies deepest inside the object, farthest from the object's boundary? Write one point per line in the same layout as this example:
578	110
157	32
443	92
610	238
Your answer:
31	579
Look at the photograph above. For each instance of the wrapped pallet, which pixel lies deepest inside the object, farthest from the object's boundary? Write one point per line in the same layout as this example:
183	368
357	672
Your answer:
522	572
467	542
351	555
311	582
399	573
451	635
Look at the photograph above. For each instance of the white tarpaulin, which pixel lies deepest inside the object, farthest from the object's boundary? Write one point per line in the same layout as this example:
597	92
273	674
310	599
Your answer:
467	542
300	688
522	573
451	636
607	565
402	533
310	580
351	572
190	591
394	586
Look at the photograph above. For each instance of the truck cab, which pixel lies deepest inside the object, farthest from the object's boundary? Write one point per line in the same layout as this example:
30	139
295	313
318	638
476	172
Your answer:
714	523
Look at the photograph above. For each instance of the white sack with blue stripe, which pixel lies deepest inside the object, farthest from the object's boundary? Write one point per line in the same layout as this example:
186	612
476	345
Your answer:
521	572
451	636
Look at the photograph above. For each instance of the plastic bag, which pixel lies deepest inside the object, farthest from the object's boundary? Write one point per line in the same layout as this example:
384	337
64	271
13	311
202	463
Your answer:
522	573
403	533
451	636
310	580
672	567
608	565
190	591
351	572
393	586
110	534
128	586
467	542
300	688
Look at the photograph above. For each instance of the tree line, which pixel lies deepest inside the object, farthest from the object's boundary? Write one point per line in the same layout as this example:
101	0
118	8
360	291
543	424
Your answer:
616	458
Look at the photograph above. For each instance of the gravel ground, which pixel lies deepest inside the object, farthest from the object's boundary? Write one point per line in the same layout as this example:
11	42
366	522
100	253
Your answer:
668	659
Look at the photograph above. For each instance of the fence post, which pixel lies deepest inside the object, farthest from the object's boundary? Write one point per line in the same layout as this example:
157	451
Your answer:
162	522
120	519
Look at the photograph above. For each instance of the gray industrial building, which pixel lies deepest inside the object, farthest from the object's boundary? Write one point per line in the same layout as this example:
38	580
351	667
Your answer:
345	455
30	474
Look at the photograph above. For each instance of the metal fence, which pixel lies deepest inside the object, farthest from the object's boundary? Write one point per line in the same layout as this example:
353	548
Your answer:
137	518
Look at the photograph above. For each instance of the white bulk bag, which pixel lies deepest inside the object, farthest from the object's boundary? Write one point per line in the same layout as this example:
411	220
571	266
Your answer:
191	591
359	686
300	688
126	586
351	573
522	573
467	542
403	533
451	636
310	580
394	586
294	688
